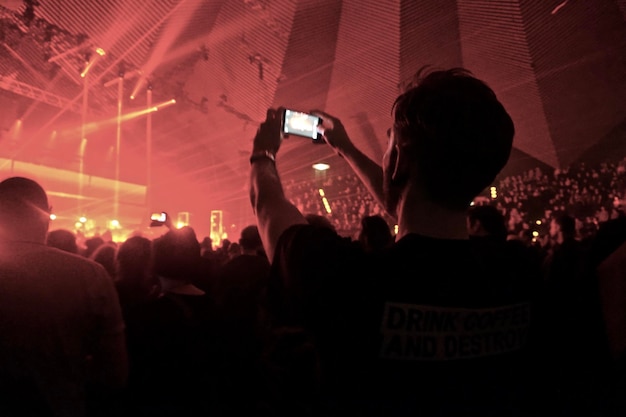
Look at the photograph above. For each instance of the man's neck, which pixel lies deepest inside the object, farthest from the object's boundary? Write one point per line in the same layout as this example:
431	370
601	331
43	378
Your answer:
425	218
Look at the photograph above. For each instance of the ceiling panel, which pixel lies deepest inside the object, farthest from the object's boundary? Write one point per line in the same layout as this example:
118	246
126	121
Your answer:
558	66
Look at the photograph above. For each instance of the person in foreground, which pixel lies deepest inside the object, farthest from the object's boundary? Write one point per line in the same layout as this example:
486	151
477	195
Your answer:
432	325
62	342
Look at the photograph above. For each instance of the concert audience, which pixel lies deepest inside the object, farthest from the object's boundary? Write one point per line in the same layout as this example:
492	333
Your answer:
221	332
580	300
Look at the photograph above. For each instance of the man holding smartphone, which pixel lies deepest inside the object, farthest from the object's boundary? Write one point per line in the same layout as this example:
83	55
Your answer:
431	326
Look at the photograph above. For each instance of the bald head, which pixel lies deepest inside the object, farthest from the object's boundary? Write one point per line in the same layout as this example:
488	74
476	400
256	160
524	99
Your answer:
24	210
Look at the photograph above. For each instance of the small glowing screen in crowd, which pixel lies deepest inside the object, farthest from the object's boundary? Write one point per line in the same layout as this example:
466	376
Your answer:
158	217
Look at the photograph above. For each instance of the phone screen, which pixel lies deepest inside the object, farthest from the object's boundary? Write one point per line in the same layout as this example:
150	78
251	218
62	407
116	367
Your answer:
300	124
158	217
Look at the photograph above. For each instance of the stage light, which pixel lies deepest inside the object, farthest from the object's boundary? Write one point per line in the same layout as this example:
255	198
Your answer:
321	167
326	205
83	219
162	105
53	216
138	86
100	51
325	201
114	224
89	63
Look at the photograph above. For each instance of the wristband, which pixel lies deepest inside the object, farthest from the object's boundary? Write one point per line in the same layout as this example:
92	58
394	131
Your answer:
258	155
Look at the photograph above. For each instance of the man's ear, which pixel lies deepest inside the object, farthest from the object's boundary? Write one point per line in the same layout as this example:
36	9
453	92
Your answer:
402	163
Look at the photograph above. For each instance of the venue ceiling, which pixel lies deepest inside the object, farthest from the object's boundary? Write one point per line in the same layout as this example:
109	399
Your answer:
69	67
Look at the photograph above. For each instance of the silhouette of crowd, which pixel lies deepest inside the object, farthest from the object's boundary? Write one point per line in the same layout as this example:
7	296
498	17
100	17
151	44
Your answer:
514	305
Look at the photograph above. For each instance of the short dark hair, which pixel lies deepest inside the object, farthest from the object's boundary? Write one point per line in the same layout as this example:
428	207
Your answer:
176	254
567	224
375	232
319	220
62	239
491	219
250	239
459	133
24	209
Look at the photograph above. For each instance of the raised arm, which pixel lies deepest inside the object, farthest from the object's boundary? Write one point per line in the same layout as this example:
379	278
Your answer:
274	212
369	172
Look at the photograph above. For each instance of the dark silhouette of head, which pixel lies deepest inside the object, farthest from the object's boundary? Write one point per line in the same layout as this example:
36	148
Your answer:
486	221
133	257
319	220
375	233
563	227
250	240
456	135
176	254
105	256
62	239
133	263
24	210
92	244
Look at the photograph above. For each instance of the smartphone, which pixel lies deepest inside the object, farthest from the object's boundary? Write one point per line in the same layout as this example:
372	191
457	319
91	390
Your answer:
158	219
301	124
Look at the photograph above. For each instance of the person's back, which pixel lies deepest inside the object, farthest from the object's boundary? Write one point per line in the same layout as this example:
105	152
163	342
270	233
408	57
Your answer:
435	325
173	336
241	285
60	319
427	327
105	256
460	318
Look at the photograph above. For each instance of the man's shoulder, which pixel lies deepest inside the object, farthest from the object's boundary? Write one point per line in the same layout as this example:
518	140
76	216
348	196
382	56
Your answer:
70	260
41	258
306	240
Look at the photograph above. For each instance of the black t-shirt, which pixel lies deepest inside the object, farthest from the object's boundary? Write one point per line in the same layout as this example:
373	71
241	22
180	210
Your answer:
428	327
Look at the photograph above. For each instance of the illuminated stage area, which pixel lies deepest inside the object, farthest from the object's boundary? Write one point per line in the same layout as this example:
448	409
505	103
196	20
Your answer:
73	196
